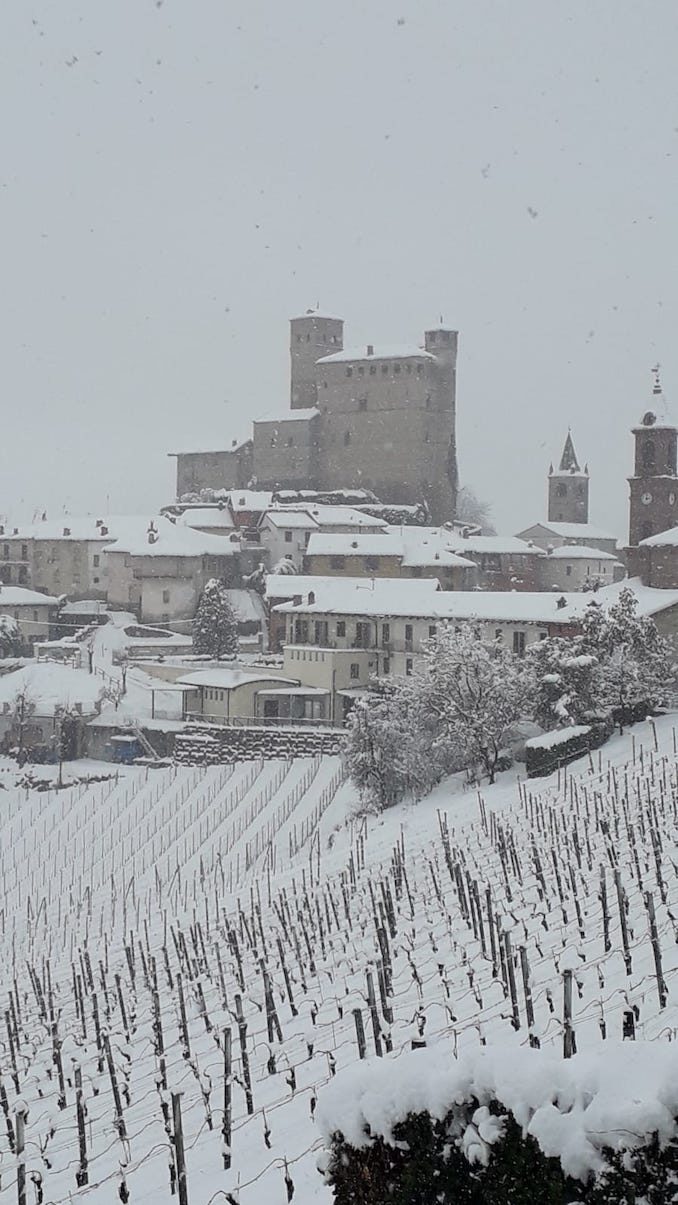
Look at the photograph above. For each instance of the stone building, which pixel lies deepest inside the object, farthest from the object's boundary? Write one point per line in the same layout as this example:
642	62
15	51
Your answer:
375	418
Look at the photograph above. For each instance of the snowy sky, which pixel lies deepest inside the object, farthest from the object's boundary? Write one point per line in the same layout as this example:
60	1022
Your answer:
178	177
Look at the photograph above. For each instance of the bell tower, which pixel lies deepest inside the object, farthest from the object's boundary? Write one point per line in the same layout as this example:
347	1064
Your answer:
568	488
653	504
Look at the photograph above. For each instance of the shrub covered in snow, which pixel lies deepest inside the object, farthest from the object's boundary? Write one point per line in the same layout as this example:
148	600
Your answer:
505	1126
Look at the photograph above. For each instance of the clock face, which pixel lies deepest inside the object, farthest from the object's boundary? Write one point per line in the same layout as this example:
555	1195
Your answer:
646	499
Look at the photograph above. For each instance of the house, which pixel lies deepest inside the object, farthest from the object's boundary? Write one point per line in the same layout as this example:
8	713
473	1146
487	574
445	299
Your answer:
341	634
34	613
285	531
402	552
577	567
45	704
655	560
228	694
502	562
161	575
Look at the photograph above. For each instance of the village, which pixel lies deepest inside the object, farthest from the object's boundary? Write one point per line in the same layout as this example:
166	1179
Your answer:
330	585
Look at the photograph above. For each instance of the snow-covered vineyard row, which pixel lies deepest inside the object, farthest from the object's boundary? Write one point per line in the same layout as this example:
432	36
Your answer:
157	930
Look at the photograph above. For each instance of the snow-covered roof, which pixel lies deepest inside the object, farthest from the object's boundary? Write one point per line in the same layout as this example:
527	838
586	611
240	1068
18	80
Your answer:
387	596
212	451
569	552
48	685
571	531
290	519
336	543
413	546
251	499
288	585
174	541
102	528
17	596
290	416
402	352
207	516
663	539
497	545
230	677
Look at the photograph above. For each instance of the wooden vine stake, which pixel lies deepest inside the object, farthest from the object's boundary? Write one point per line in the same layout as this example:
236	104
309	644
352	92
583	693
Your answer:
569	1043
179	1148
656	950
81	1175
226	1124
20	1123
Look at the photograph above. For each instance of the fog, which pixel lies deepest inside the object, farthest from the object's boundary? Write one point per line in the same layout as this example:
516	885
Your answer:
177	179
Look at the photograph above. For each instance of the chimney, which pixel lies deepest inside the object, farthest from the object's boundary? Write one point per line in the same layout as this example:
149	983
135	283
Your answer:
103	531
370	349
67	531
152	533
297	600
561	602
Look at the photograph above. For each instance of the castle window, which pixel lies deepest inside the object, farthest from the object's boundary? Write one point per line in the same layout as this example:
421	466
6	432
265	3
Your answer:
362	403
420	368
396	368
349	371
373	370
384	369
361	371
409	368
347	438
562	489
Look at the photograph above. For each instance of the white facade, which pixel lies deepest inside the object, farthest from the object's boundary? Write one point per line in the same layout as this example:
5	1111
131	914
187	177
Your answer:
576	567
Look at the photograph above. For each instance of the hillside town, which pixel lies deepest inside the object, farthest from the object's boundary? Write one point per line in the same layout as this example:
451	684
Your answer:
336	572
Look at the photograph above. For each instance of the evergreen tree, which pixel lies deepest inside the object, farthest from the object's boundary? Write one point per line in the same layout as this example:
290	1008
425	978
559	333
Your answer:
215	628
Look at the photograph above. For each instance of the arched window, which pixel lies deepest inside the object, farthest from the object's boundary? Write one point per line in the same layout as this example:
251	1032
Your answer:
562	489
648	454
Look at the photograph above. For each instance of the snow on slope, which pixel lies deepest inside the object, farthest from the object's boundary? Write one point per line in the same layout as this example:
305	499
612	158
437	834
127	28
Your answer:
219	883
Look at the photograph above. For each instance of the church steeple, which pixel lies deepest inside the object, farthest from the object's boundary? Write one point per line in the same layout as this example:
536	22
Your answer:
568	460
654	485
569	488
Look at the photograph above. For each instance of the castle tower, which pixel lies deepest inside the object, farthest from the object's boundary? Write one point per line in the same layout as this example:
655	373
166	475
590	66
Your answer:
443	344
568	488
311	337
653	504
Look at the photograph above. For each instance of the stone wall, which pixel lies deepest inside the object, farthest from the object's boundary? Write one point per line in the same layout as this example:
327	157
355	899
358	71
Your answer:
206	745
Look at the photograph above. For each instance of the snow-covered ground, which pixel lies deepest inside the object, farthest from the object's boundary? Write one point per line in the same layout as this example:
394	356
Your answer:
221	881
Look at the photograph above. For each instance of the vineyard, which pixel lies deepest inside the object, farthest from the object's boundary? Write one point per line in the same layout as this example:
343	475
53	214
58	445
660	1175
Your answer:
190	955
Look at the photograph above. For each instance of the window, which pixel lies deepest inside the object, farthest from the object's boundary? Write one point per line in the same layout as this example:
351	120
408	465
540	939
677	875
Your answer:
165	596
301	631
519	643
290	441
24	552
385	633
432	631
23	575
274	441
96	560
288	537
409	368
362	403
347	438
337	562
5	551
373	370
387	665
371	562
568	571
409	665
341	627
562	489
396	369
349	372
321	632
363	635
35	617
355	670
409	632
648	453
498	635
361	371
420	369
384	370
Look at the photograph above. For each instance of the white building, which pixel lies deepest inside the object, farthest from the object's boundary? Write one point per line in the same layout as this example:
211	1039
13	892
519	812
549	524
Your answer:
34	613
578	567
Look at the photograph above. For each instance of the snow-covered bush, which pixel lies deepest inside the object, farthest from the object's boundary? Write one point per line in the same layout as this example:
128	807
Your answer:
215	628
505	1126
635	662
10	637
567	682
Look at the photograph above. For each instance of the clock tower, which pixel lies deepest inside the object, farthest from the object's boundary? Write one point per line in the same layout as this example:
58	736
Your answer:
654	485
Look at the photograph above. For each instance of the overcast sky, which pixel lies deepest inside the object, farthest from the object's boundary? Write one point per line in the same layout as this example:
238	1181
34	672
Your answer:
178	177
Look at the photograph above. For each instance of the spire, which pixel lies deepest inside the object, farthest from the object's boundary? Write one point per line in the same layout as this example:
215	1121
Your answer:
568	460
659	414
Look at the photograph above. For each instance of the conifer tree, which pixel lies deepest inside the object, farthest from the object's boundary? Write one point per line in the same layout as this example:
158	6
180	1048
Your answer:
215	628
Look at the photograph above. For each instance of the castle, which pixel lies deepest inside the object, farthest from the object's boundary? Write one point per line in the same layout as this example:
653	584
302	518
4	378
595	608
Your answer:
374	418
